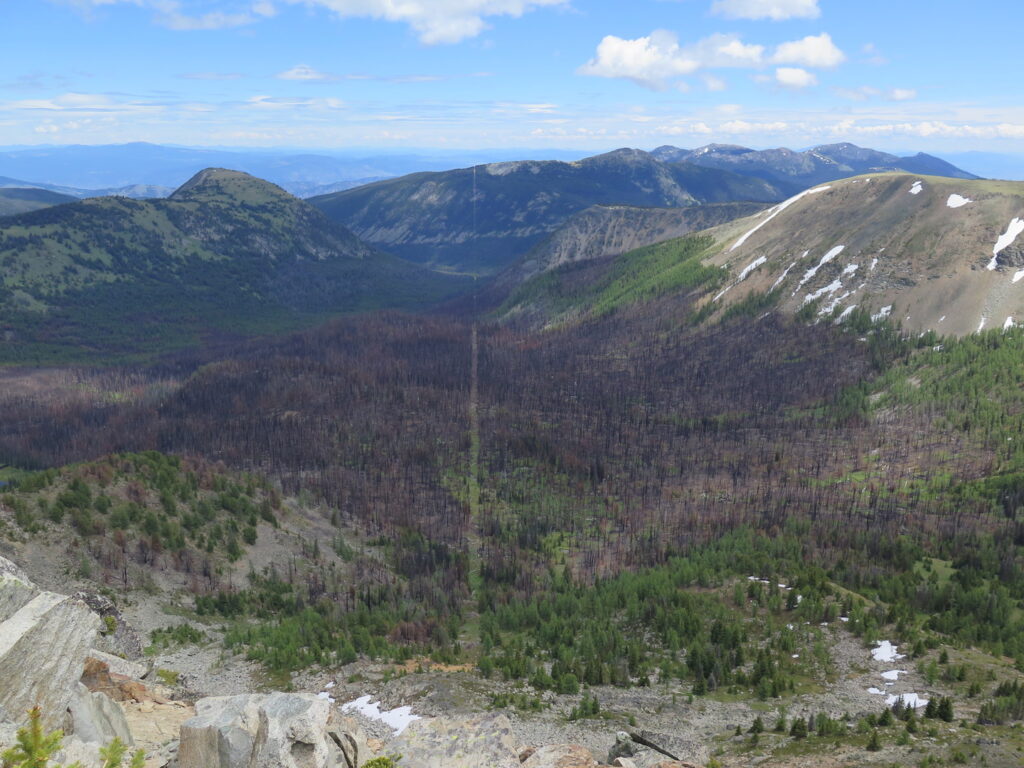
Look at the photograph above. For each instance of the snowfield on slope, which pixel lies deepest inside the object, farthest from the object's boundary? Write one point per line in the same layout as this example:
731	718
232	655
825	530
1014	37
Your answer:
1005	241
776	211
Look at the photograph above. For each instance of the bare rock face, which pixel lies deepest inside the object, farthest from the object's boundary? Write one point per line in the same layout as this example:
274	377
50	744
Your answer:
44	639
442	742
278	730
95	717
561	756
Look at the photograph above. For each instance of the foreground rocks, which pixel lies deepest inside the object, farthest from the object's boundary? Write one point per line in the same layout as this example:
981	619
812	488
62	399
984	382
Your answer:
44	639
441	742
278	730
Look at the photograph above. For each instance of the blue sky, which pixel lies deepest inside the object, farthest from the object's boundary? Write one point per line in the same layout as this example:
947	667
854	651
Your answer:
576	74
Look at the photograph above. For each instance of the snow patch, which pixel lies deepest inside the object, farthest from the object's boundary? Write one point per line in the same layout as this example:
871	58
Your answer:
956	201
1008	324
916	188
885	651
893	674
814	270
912	700
1006	240
881	314
832	287
981	324
782	277
874	263
397	719
876	691
1018	276
325	696
775	212
850	269
750	268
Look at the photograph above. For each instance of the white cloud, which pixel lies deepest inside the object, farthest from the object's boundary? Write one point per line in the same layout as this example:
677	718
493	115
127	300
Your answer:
714	84
901	94
653	60
863	93
812	51
434	21
304	72
777	10
794	77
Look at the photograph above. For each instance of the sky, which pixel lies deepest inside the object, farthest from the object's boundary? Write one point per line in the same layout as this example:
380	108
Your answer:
902	75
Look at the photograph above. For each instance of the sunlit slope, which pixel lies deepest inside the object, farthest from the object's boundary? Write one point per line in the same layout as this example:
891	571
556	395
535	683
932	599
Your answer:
930	253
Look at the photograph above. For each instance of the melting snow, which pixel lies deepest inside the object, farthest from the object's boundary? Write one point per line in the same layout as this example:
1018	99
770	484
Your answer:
1006	240
397	719
942	318
981	324
844	618
881	314
875	691
782	277
885	651
956	201
775	212
1008	324
832	287
814	270
750	268
912	700
916	189
325	696
893	674
850	269
874	263
1018	276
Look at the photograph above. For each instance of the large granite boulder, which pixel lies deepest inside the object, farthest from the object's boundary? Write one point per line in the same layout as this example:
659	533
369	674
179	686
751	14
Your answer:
277	730
667	748
44	639
442	742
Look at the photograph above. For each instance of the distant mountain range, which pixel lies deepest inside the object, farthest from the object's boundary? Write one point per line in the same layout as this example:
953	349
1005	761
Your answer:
481	219
225	253
88	171
794	171
16	200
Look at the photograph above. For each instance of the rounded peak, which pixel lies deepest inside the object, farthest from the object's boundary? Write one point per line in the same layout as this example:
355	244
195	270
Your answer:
224	182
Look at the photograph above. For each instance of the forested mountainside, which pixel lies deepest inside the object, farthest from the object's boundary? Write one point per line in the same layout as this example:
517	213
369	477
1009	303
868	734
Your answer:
15	200
480	219
225	254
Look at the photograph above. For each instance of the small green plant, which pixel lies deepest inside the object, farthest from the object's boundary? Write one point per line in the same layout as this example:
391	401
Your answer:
168	677
35	748
109	625
390	761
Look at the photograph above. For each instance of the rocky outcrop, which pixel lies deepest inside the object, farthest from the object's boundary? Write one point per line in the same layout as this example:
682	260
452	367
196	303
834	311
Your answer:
441	742
278	730
117	636
95	717
46	633
560	756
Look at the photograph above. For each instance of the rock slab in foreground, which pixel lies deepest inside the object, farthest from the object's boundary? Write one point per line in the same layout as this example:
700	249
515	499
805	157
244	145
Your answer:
278	730
560	756
46	633
441	742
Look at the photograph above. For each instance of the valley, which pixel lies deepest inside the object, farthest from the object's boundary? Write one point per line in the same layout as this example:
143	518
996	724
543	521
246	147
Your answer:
659	474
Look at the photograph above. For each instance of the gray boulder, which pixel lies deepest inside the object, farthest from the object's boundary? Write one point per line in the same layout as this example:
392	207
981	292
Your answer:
95	717
278	730
44	633
441	742
560	756
667	747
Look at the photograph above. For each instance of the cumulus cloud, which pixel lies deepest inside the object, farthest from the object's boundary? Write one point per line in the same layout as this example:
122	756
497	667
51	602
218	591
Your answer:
811	51
776	10
794	77
653	60
657	59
